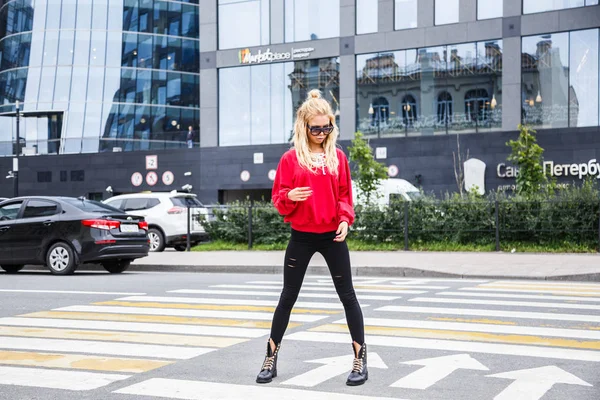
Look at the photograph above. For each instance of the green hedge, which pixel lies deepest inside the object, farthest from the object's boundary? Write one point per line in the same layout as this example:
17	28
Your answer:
571	216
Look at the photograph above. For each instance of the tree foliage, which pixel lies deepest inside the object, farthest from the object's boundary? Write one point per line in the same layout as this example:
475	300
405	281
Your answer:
367	171
527	155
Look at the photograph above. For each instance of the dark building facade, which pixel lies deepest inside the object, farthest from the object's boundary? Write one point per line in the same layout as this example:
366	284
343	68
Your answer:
141	95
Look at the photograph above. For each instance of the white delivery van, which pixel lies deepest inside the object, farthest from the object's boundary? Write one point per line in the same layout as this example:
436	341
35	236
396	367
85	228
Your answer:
389	189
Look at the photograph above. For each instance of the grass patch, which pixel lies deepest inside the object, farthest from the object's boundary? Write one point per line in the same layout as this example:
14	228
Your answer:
355	245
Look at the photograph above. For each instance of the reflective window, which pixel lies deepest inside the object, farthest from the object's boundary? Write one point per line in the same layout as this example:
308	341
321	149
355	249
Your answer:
367	16
257	104
405	14
68	14
16	17
311	19
435	90
14	51
536	6
243	23
446	12
487	9
560	79
65	50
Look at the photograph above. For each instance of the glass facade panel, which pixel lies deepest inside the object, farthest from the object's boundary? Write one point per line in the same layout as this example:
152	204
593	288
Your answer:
256	102
446	12
367	19
545	80
405	14
536	6
68	14
487	9
243	23
436	90
311	19
583	88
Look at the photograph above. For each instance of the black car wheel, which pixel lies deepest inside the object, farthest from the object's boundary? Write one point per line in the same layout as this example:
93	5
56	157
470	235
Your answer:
60	259
116	266
12	269
157	240
180	248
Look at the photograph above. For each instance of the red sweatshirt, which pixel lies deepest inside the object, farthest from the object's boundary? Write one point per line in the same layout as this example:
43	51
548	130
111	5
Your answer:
330	202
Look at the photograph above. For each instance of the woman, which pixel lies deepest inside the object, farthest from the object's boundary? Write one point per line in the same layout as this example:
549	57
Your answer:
312	190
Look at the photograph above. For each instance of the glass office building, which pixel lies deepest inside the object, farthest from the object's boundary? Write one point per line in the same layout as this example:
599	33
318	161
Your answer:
109	81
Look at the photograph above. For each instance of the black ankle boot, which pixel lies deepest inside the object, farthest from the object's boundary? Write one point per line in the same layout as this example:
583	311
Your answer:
359	374
269	367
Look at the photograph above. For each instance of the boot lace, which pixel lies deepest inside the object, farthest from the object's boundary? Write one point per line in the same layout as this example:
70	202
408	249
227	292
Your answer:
268	364
357	365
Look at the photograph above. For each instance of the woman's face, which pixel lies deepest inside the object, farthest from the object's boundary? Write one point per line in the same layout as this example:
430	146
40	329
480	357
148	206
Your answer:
319	121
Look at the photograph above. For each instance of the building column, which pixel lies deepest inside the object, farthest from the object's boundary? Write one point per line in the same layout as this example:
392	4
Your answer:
467	11
277	21
512	8
425	10
385	15
209	133
347	96
511	83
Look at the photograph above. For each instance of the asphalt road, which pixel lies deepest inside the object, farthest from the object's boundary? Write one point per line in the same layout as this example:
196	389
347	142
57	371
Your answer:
203	336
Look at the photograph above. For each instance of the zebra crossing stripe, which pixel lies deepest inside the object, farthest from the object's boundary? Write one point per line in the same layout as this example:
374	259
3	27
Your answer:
136	327
365	285
516	289
329	288
96	347
466	335
79	361
491	313
213	307
521	296
276	294
454	345
506	303
242	315
114	336
57	379
240	302
198	390
569	284
153	319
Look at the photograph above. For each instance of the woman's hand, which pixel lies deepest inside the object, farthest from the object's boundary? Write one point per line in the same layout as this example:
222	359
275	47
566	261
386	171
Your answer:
299	193
341	232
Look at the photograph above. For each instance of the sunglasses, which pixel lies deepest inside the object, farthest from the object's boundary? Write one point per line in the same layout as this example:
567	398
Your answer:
317	130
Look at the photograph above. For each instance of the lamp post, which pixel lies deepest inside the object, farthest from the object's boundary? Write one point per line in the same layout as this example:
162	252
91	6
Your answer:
18	151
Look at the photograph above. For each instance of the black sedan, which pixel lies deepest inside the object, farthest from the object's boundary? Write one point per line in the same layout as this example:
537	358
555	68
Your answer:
64	232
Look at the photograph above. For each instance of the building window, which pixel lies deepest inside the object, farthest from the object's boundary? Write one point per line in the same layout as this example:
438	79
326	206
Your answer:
77	175
560	79
427	91
44	176
243	23
405	14
257	104
536	6
311	19
446	12
63	176
487	9
367	16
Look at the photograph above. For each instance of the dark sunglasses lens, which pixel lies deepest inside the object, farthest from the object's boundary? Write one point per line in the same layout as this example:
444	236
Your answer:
318	130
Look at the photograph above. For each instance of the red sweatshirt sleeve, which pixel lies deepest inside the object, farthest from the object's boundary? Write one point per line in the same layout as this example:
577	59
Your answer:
345	206
282	185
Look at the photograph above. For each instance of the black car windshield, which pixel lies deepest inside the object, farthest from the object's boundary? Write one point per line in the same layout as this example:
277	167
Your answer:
91	206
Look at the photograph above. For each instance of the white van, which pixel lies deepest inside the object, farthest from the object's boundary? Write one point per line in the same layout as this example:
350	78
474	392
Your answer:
388	189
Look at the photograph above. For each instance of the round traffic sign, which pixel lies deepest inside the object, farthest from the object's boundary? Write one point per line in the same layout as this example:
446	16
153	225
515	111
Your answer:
151	178
136	179
393	170
168	178
272	174
245	176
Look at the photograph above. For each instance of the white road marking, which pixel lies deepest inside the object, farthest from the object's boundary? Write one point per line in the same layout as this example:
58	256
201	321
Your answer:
70	292
567	292
97	347
373	285
454	345
189	313
506	303
53	379
492	313
521	296
198	390
277	294
233	302
322	289
201	330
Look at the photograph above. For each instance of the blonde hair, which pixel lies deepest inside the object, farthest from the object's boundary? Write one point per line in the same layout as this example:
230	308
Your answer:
315	105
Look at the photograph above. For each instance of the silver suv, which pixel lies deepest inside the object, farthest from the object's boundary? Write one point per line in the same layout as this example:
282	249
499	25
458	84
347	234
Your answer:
166	214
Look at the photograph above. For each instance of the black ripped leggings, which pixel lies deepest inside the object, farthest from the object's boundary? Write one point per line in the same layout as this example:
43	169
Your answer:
300	250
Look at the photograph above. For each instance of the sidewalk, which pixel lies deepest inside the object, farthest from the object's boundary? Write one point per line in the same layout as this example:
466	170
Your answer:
576	267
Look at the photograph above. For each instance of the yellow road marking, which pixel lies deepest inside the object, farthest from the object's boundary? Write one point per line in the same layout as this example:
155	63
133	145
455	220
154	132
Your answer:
209	307
161	319
469	336
79	361
114	336
473	321
554	289
546	284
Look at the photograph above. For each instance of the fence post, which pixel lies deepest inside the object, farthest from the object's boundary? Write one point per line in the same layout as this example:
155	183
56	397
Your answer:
189	230
497	219
250	226
406	208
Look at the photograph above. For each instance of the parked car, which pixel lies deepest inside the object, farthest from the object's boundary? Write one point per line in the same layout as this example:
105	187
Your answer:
166	214
64	232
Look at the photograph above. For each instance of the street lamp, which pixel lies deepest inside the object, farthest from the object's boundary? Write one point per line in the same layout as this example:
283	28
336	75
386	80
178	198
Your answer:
16	159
